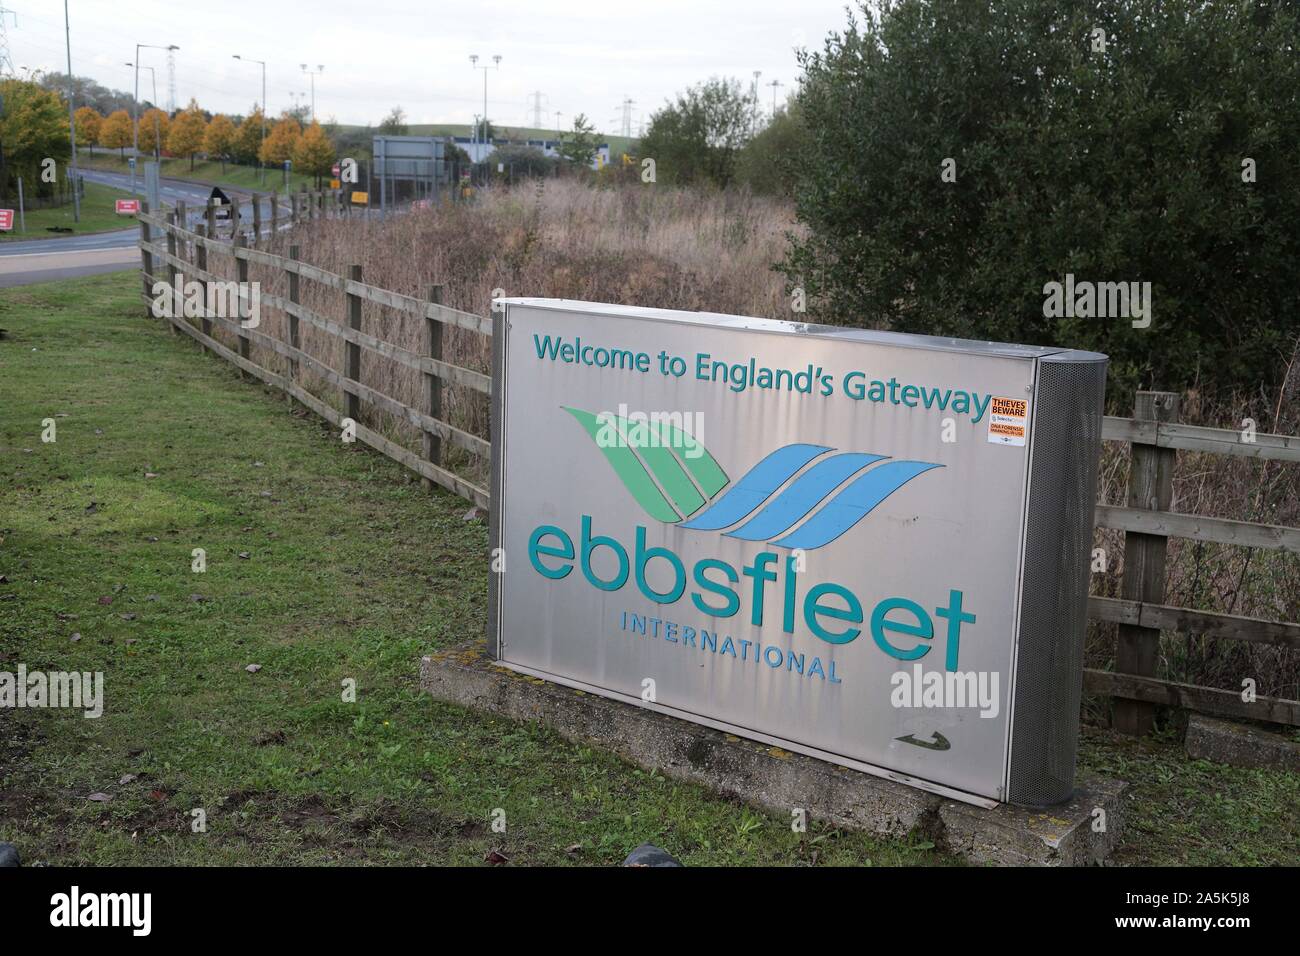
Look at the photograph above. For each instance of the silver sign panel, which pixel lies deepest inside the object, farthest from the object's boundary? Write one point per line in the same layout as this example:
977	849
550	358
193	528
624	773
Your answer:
811	537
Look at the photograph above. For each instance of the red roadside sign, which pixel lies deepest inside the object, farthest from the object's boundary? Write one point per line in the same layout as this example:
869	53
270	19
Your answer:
6	220
335	170
128	207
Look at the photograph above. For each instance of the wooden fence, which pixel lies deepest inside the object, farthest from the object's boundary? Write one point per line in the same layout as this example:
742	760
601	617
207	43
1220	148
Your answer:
1156	436
1146	520
436	373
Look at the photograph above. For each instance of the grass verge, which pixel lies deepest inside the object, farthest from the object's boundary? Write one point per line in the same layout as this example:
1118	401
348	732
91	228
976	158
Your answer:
97	215
326	563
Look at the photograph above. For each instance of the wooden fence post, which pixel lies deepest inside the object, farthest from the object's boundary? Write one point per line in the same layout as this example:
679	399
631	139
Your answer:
234	217
433	385
241	275
352	368
146	259
275	215
210	217
177	307
1150	488
293	208
294	342
201	262
257	218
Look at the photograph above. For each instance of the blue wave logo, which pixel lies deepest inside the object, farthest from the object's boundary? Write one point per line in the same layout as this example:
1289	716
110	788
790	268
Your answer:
800	496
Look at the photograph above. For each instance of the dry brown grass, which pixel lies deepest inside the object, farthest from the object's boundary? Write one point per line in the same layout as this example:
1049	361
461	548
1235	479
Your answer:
630	245
681	249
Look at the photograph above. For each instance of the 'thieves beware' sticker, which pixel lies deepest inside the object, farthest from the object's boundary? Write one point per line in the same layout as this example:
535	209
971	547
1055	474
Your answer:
1008	421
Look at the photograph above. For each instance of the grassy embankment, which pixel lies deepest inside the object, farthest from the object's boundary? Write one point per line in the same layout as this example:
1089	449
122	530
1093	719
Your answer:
238	177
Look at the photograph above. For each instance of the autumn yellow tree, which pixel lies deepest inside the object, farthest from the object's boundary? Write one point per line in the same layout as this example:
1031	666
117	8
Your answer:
219	140
187	132
33	128
281	141
115	132
154	127
89	124
248	138
314	153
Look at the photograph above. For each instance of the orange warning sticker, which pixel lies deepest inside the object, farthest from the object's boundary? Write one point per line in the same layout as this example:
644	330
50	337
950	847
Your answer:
1008	421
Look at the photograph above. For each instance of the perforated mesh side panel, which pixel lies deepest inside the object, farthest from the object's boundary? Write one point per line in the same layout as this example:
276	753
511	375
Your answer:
1058	544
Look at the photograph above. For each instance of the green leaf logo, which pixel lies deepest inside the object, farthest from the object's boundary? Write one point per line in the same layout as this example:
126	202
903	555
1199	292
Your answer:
668	472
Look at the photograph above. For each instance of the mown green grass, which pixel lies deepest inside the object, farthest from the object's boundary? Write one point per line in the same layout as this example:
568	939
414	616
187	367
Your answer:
239	177
352	571
97	215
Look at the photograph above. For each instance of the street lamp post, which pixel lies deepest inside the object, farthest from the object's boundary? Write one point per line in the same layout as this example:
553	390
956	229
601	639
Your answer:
496	65
135	103
262	131
72	117
320	68
157	135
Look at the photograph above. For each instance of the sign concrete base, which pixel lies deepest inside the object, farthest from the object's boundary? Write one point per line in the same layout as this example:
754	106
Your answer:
1079	832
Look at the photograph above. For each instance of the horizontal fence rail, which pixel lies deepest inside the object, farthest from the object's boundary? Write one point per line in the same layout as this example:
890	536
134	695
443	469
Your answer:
1147	521
173	236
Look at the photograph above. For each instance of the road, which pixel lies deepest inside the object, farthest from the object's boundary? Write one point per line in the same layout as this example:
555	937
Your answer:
41	260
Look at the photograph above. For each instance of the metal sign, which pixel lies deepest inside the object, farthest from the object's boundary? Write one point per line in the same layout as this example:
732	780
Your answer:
6	220
128	207
868	547
361	199
407	167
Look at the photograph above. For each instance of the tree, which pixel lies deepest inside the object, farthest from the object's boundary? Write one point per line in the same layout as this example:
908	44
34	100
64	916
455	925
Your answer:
314	153
698	138
33	126
248	137
768	163
115	133
88	93
394	124
521	161
187	133
154	128
1162	151
578	148
280	142
89	124
219	138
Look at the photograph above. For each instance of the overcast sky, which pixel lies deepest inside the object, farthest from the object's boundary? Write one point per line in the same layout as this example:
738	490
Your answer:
583	55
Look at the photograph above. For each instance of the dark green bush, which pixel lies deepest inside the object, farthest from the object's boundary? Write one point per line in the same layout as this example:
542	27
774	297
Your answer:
1115	165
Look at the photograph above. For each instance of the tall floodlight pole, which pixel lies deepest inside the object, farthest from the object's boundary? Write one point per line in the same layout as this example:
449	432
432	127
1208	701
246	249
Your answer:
72	117
261	140
320	68
774	84
135	103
